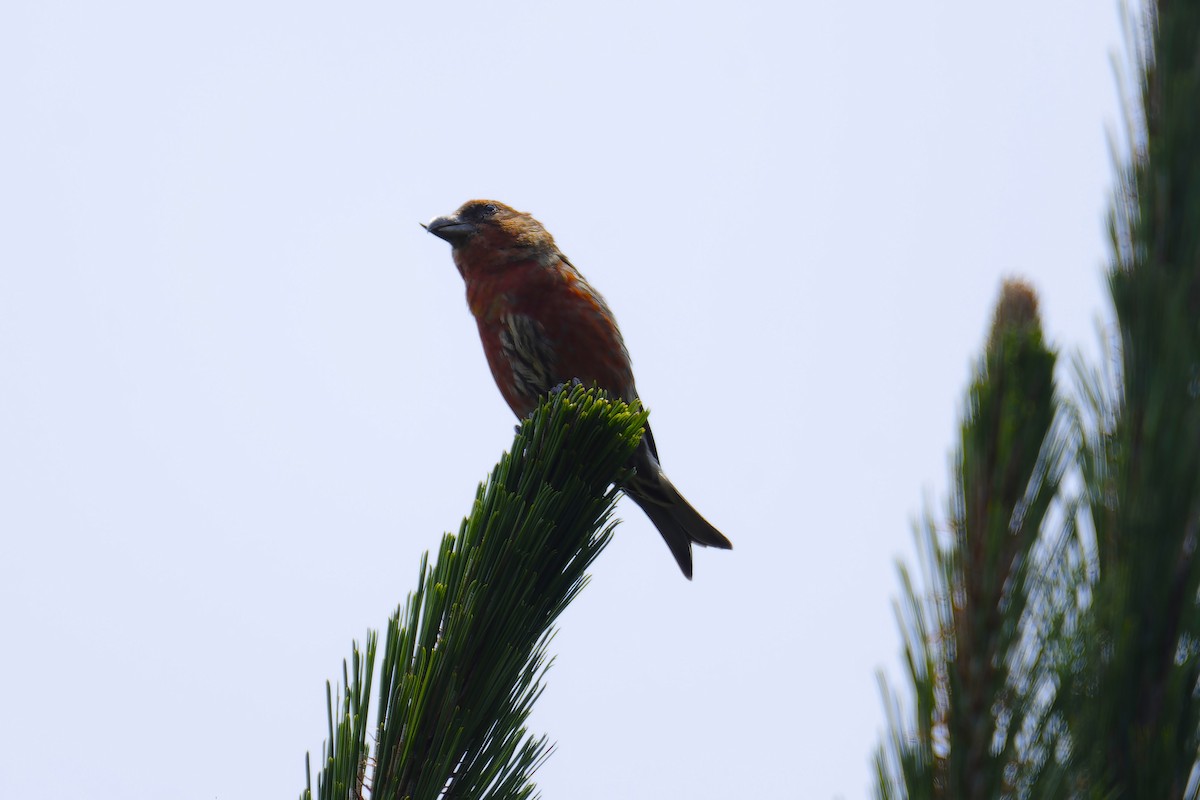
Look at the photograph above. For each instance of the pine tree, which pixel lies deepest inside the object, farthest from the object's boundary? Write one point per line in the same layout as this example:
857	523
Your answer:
1138	712
1054	645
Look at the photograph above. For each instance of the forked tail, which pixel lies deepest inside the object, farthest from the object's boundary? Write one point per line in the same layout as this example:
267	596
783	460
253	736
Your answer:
679	523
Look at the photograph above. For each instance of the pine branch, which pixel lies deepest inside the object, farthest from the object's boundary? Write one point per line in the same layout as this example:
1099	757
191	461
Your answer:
972	680
464	658
997	515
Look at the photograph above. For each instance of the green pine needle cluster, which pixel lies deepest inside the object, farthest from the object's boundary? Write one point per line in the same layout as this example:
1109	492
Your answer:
463	659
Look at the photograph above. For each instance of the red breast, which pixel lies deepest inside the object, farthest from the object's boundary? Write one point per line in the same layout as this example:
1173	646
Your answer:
548	315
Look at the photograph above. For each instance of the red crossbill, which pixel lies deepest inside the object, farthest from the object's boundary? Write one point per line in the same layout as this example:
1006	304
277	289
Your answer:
542	325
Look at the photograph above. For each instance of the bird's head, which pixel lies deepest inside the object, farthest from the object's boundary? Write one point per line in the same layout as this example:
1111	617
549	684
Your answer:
486	234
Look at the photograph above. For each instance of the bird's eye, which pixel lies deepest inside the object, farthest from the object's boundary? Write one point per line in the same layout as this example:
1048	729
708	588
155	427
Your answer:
490	210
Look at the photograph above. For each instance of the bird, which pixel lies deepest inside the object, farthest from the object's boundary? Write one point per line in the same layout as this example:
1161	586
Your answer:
542	326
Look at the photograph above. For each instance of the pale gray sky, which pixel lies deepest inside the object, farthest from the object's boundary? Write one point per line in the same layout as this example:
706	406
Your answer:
240	391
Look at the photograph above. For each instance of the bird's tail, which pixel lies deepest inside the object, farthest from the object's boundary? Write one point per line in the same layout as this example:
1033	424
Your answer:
679	523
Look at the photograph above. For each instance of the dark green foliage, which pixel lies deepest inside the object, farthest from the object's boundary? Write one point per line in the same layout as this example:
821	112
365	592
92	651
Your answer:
1059	652
1139	729
463	659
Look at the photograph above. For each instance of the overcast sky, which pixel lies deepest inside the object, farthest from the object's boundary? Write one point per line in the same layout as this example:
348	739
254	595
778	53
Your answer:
240	391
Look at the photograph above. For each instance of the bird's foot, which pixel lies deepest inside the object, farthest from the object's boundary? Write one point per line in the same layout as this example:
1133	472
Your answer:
563	386
551	393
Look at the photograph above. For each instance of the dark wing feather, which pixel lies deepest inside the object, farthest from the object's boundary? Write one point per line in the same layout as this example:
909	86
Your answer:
527	350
